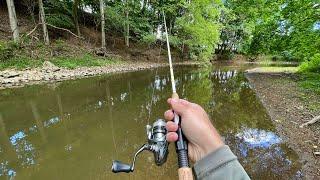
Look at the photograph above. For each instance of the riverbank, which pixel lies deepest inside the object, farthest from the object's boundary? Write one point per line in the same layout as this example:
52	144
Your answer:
12	78
290	105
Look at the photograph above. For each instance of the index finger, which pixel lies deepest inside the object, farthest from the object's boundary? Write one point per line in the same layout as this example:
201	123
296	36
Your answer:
168	115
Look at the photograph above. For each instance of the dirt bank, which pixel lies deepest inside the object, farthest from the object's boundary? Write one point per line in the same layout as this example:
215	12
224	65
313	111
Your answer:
50	73
289	106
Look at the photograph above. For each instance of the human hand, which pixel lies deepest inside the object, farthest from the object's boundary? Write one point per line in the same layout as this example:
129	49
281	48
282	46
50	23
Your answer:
202	136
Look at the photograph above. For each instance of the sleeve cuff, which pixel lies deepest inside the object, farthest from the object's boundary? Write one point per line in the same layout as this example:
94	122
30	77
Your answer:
214	160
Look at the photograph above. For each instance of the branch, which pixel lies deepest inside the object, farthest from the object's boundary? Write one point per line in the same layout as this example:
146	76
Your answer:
312	121
65	30
32	31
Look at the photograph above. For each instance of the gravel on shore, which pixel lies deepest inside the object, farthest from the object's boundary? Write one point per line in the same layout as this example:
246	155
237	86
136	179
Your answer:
50	73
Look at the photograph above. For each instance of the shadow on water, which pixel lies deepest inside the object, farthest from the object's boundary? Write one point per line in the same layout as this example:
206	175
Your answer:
74	129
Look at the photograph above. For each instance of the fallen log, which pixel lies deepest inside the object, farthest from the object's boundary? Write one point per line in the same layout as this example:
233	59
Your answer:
312	121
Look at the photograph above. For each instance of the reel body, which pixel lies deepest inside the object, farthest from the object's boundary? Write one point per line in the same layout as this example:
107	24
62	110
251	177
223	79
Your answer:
157	144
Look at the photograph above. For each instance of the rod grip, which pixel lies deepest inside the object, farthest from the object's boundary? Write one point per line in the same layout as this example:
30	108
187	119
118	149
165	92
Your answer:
175	96
185	173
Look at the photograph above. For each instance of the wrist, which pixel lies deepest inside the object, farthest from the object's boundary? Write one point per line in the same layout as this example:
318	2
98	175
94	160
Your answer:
213	146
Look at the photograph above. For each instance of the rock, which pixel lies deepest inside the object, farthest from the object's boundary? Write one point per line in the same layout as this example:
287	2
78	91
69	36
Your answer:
7	81
36	78
49	67
10	74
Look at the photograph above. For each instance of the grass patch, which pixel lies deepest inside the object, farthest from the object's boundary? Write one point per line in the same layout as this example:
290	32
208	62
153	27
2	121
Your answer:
60	53
86	60
274	70
20	63
310	82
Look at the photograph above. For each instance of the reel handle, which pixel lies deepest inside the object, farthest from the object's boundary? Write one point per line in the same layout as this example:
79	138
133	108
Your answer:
118	166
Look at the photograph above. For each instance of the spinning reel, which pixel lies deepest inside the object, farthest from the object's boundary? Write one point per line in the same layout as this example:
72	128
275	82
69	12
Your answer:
157	144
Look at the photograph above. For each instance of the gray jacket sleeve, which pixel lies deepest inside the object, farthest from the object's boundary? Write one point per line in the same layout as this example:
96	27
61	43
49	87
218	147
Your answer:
221	164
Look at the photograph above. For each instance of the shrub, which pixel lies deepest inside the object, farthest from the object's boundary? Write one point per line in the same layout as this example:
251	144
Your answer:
174	41
287	56
7	50
311	66
149	39
60	20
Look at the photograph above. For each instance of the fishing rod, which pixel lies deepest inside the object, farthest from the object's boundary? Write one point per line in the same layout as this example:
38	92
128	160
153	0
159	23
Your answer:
156	135
184	171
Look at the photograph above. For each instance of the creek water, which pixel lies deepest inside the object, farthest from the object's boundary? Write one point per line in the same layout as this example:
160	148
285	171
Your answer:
74	129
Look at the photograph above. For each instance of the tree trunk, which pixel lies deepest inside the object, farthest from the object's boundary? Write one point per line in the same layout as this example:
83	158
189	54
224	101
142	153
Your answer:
13	20
127	25
103	34
43	22
144	2
75	15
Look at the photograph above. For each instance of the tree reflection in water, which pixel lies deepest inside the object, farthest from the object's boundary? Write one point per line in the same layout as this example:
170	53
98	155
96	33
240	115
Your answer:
247	128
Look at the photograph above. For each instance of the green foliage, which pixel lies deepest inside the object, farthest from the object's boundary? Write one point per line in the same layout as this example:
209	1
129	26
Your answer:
59	13
149	39
20	63
60	53
311	66
115	18
5	52
60	20
310	81
87	60
175	41
199	28
281	28
284	29
287	30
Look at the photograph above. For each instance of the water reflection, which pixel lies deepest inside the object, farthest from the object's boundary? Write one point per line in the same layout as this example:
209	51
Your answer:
271	157
248	130
81	126
258	138
6	151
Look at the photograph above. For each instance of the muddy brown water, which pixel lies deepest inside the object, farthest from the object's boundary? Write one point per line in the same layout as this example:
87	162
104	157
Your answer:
74	129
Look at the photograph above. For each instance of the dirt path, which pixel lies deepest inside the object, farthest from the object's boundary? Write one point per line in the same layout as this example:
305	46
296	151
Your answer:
290	106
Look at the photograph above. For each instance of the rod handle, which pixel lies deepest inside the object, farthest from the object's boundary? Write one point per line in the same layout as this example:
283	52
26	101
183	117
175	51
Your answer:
185	173
175	96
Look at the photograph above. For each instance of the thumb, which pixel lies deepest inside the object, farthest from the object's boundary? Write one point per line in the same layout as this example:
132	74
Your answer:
180	106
